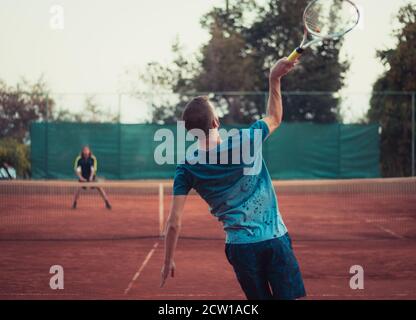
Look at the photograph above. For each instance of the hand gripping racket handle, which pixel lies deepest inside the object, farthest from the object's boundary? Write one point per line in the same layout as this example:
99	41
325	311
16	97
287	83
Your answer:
295	54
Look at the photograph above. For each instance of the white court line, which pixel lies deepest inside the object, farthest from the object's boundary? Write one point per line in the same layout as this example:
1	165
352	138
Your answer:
372	222
394	234
146	260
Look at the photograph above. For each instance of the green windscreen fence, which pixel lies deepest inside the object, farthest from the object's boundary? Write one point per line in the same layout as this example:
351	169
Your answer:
126	151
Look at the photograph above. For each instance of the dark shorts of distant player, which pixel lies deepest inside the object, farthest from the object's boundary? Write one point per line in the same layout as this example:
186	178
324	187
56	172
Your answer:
267	270
93	180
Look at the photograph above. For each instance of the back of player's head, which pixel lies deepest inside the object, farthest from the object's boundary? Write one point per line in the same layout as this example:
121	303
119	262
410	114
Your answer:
199	114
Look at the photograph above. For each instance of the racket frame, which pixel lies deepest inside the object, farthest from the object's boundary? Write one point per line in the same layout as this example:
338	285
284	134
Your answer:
318	37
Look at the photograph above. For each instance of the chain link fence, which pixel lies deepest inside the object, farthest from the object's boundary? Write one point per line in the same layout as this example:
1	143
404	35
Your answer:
393	111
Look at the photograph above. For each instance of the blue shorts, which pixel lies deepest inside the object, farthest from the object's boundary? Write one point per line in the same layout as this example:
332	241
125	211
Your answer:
267	270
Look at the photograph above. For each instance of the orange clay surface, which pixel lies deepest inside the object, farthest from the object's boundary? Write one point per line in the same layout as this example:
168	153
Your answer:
117	254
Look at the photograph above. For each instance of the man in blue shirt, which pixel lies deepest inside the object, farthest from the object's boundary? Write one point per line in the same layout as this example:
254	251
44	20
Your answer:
240	194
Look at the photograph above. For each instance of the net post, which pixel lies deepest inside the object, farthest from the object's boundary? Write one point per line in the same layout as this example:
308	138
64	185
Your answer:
120	150
161	210
413	134
339	150
47	137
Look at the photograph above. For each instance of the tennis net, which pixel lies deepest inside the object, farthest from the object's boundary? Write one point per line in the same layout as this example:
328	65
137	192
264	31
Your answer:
312	210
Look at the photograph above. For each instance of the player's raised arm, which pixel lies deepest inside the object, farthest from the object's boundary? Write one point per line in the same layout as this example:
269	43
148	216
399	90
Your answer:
173	227
274	112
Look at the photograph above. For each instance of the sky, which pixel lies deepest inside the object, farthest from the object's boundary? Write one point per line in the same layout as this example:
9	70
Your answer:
96	42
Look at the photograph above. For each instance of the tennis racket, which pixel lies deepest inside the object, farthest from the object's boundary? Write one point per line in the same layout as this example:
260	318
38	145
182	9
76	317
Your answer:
326	19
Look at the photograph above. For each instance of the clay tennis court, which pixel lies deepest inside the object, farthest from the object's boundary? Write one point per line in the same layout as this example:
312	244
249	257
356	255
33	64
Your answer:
118	254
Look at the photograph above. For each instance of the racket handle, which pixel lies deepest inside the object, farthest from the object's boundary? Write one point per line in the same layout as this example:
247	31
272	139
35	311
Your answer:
295	54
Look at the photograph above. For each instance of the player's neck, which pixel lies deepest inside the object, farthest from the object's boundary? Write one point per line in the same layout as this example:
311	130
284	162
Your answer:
211	142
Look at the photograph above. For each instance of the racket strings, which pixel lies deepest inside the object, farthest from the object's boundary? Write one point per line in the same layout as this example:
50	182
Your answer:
331	18
313	21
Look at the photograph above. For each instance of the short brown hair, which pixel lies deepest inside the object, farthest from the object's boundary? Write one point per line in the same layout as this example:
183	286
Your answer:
198	114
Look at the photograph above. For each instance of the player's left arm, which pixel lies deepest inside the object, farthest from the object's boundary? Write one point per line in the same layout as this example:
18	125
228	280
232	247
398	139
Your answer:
92	174
93	168
172	230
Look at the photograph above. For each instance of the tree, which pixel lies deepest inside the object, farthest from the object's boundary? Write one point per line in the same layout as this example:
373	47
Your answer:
21	105
245	40
393	112
275	33
222	65
164	87
94	113
228	68
91	112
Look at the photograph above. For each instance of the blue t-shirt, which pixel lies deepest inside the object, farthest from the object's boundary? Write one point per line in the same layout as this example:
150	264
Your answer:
239	193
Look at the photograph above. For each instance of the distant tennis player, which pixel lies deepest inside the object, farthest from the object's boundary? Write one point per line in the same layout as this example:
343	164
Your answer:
85	167
257	243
